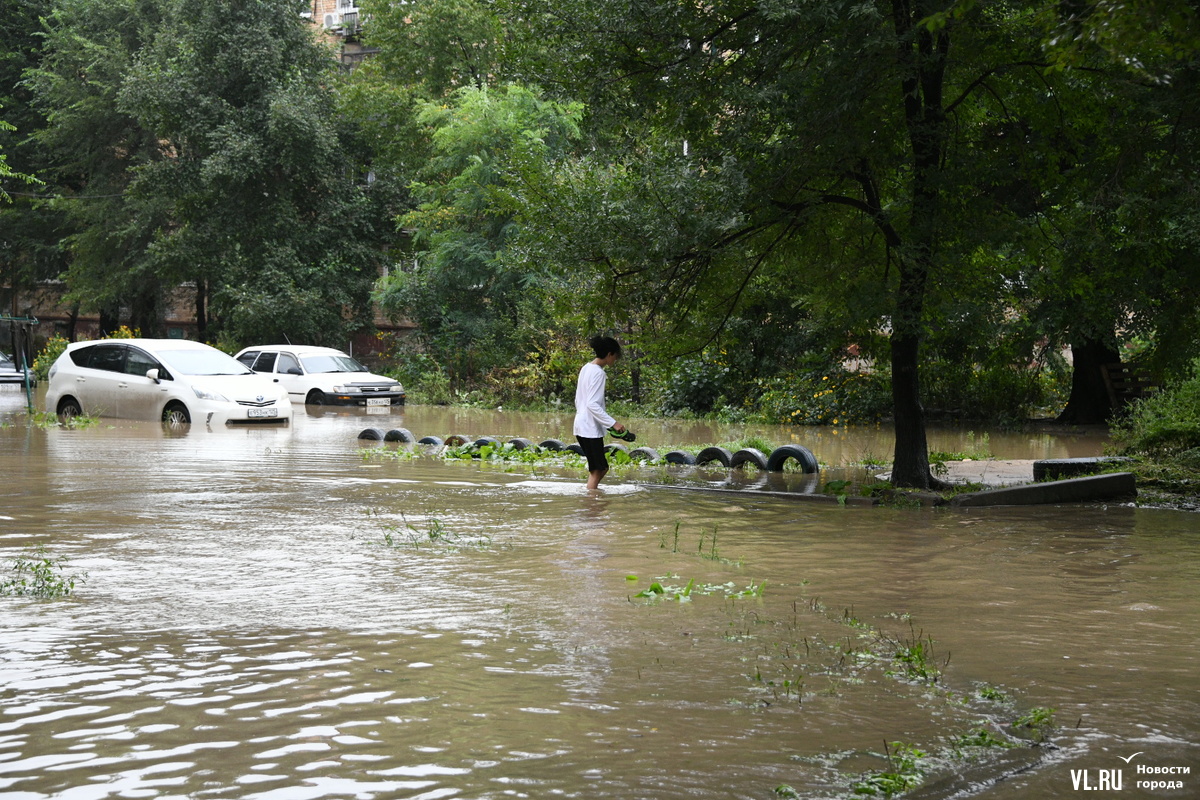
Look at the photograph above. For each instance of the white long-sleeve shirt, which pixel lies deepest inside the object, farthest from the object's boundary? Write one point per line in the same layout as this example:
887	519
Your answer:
591	420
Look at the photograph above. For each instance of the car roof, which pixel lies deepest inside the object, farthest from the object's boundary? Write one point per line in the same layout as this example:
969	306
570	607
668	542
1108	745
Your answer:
296	349
149	344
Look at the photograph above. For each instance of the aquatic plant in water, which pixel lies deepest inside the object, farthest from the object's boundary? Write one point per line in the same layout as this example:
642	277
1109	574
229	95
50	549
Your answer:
903	773
39	575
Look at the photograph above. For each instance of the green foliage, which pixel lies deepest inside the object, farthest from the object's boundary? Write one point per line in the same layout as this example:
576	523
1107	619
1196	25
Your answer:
466	302
37	574
1036	724
1165	425
824	394
54	348
904	772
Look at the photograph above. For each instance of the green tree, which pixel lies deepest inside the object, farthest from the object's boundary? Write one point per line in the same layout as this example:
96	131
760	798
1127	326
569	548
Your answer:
210	152
465	299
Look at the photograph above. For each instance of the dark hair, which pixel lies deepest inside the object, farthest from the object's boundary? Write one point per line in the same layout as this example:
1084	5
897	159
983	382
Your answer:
603	345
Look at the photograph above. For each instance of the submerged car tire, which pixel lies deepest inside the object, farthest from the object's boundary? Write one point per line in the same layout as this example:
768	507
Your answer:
315	398
614	447
711	454
748	455
402	435
644	454
457	440
802	455
574	448
176	415
487	440
436	441
680	457
520	443
552	444
371	435
69	407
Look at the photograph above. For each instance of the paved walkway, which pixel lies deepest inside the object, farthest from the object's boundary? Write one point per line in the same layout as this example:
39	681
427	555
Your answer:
990	472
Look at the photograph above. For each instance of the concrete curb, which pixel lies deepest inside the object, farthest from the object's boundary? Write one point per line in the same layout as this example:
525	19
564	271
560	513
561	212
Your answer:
1114	486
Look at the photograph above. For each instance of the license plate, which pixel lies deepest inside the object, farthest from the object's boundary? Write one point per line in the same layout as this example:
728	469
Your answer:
252	413
379	401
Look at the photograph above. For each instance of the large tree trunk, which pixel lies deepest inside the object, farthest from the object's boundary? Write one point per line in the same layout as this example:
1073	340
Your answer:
922	54
910	466
1089	403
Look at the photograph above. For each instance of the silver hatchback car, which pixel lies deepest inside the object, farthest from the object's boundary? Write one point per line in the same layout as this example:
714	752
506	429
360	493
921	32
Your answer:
173	380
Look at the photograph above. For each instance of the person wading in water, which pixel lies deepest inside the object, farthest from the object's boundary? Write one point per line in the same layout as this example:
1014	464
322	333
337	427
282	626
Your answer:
591	420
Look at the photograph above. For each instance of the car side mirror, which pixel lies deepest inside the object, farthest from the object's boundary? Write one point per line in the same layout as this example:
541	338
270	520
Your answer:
294	371
152	374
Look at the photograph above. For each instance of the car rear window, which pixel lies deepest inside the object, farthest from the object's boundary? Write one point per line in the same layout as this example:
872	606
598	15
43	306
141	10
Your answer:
110	357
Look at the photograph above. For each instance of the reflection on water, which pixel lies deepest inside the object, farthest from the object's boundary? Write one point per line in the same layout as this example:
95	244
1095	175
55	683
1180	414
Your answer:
267	614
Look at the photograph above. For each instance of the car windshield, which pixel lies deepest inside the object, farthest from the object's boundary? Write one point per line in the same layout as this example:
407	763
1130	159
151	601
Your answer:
203	362
331	364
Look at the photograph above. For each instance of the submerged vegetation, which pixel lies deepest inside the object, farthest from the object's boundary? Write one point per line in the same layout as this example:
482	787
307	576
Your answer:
38	574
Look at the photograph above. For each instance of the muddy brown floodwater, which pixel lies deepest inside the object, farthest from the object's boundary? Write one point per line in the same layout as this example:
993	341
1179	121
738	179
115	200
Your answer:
268	613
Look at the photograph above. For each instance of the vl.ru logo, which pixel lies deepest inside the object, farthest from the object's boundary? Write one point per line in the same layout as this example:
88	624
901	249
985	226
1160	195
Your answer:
1108	780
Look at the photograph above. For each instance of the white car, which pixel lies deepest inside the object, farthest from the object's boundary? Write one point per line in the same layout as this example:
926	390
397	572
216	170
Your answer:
322	376
173	380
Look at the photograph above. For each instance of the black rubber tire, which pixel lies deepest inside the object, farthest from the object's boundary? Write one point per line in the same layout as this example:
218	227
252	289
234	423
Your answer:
552	444
482	440
457	440
804	457
371	435
436	441
711	454
680	457
315	398
402	435
644	454
520	443
574	448
749	455
614	447
69	407
176	415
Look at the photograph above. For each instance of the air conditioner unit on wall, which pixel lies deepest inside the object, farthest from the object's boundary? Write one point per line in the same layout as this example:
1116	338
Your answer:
332	21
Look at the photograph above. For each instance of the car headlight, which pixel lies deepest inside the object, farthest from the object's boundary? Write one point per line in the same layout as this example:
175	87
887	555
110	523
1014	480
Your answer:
341	389
204	394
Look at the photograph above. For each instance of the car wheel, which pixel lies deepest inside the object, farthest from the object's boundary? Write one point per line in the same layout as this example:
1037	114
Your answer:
176	415
315	398
69	407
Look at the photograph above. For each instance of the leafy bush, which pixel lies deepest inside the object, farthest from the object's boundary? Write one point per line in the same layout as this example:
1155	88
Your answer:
1164	425
50	353
695	384
825	395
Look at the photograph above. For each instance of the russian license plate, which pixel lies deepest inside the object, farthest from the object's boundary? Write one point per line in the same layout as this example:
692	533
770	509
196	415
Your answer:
379	401
254	413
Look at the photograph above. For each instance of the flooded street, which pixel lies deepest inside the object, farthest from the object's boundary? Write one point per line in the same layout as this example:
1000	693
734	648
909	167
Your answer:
268	613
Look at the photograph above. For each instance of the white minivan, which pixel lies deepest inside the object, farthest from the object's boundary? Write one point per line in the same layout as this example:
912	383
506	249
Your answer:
173	380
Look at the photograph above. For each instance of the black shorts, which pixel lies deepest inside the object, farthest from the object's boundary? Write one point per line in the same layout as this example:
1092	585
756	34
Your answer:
593	449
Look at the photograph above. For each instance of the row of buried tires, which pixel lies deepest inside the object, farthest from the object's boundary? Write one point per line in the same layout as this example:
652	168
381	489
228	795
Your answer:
749	456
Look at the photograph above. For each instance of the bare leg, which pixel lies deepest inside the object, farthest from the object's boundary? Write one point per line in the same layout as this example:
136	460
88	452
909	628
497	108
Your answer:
595	477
